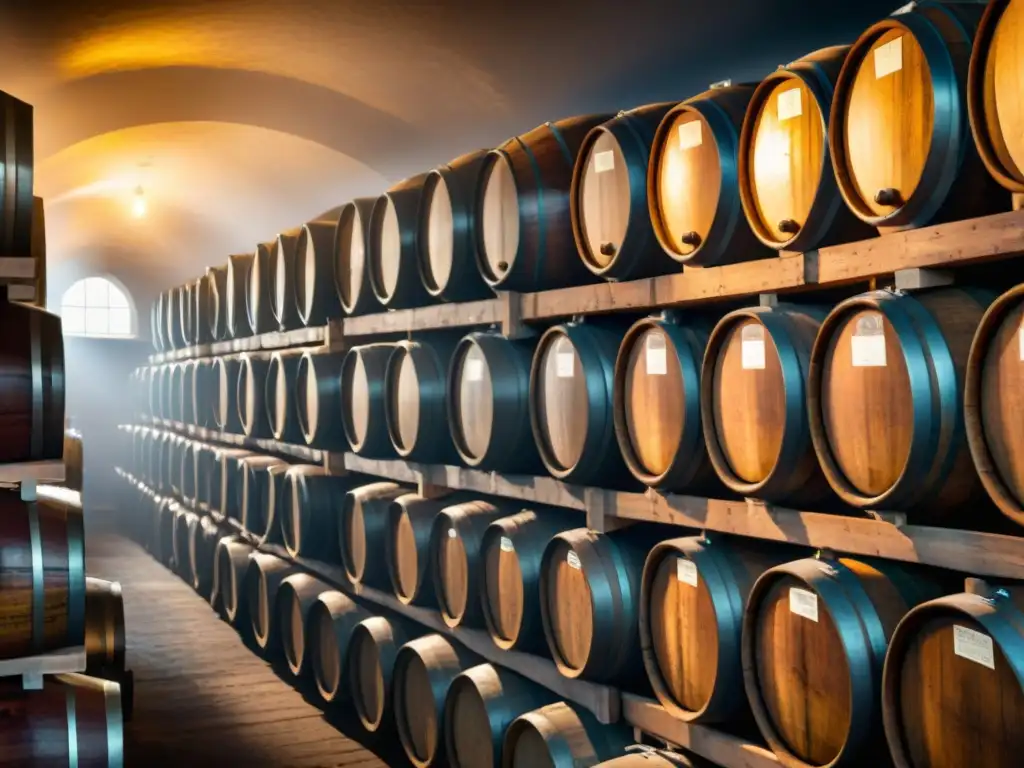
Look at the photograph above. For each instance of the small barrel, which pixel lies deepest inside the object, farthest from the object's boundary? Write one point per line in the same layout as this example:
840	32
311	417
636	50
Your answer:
104	627
258	301
251	395
363	400
571	394
610	219
217	302
309	522
447	254
318	400
202	545
263	578
283	304
331	620
315	296
395	245
900	147
815	633
657	404
693	186
754	404
371	664
203	398
231	561
281	395
885	400
351	274
363	530
407	547
415	399
236	315
511	550
562	736
489	386
225	393
952	691
228	471
296	595
255	477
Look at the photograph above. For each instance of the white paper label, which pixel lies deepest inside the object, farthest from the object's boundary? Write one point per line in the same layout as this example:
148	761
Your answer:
686	571
752	354
604	161
656	355
803	603
452	534
975	646
790	104
565	365
506	544
868	342
573	560
690	135
889	58
474	370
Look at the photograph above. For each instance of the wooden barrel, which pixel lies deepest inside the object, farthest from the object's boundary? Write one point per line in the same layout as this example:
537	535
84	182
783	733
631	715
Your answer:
309	522
415	399
351	275
283	303
188	472
74	457
104	627
187	313
281	395
315	297
649	757
610	219
202	398
156	383
407	546
951	691
561	735
693	186
754	404
232	563
187	383
263	578
488	385
363	531
173	318
885	397
523	220
571	393
225	392
202	548
259	287
236	315
172	395
371	664
217	302
511	550
483	702
251	395
331	620
815	634
175	461
318	400
363	400
16	139
164	511
656	404
258	503
787	183
295	597
74	721
901	150
182	520
229	463
395	244
448	254
201	306
158	322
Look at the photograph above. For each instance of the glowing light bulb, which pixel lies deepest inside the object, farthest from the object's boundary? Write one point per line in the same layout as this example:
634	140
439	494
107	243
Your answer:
139	203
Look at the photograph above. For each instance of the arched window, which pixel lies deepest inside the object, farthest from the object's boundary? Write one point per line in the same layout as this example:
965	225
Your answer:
97	306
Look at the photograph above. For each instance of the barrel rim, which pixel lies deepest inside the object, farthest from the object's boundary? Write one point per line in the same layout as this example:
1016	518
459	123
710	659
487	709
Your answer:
358	209
304	304
559	744
285	253
499	528
373	254
284	603
306	367
237	279
433	178
483	265
365	636
439	678
454	382
447	519
401	351
395	513
464	684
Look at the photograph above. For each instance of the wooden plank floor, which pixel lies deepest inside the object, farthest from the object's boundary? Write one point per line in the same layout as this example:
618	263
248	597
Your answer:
201	697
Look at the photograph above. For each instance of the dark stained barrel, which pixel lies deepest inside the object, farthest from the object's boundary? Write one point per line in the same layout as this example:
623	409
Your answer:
309	522
74	457
898	135
415	399
351	250
610	219
523	220
510	551
407	546
315	297
280	396
562	736
202	397
787	183
255	496
262	580
371	664
885	400
283	302
202	549
228	477
236	313
232	563
259	287
448	239
217	302
104	627
225	392
395	243
16	140
318	400
295	597
693	187
363	531
332	618
754	404
363	400
489	403
253	370
815	634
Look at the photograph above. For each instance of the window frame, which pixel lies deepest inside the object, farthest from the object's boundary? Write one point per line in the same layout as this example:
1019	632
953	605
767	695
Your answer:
110	284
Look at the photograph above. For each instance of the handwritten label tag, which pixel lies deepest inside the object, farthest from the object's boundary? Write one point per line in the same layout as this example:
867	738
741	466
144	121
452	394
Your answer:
565	365
604	161
790	104
573	560
474	370
452	534
690	135
752	354
974	646
889	58
803	603
868	342
686	571
506	544
656	355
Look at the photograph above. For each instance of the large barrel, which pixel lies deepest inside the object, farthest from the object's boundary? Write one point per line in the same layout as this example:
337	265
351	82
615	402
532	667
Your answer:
232	563
251	394
898	133
309	522
255	499
510	551
318	400
407	547
16	139
885	400
787	183
225	374
610	218
395	243
31	384
260	285
203	535
74	721
693	187
489	403
363	400
187	313
217	302
351	272
228	471
657	404
371	664
571	394
296	595
481	704
283	303
815	634
952	690
523	220
754	404
203	399
281	395
332	617
447	254
315	297
562	736
263	578
415	399
363	531
104	627
186	384
236	315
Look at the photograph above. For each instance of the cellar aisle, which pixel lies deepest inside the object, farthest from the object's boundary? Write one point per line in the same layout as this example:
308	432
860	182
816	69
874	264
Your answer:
201	698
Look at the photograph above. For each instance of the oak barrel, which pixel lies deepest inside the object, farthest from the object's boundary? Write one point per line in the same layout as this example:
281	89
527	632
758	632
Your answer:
202	549
315	296
263	579
259	287
331	620
310	499
225	373
172	393
561	735
363	531
295	597
187	313
351	272
158	322
217	302
395	243
236	312
201	306
415	399
258	502
186	391
283	294
16	140
203	398
363	400
371	664
648	757
232	563
228	471
164	511
407	546
182	520
281	395
104	627
188	473
173	318
251	394
318	400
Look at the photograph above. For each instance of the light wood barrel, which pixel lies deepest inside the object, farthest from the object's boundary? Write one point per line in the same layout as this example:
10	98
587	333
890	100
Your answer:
610	219
331	620
488	385
217	302
481	704
16	202
259	286
255	477
295	597
228	471
363	531
351	271
561	736
251	395
283	302
318	400
902	154
787	183
510	551
952	691
754	404
263	579
884	398
281	395
363	400
231	564
203	398
448	244
315	296
225	392
371	664
395	244
571	394
202	549
104	627
693	186
648	757
407	546
415	399
815	634
309	522
236	314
